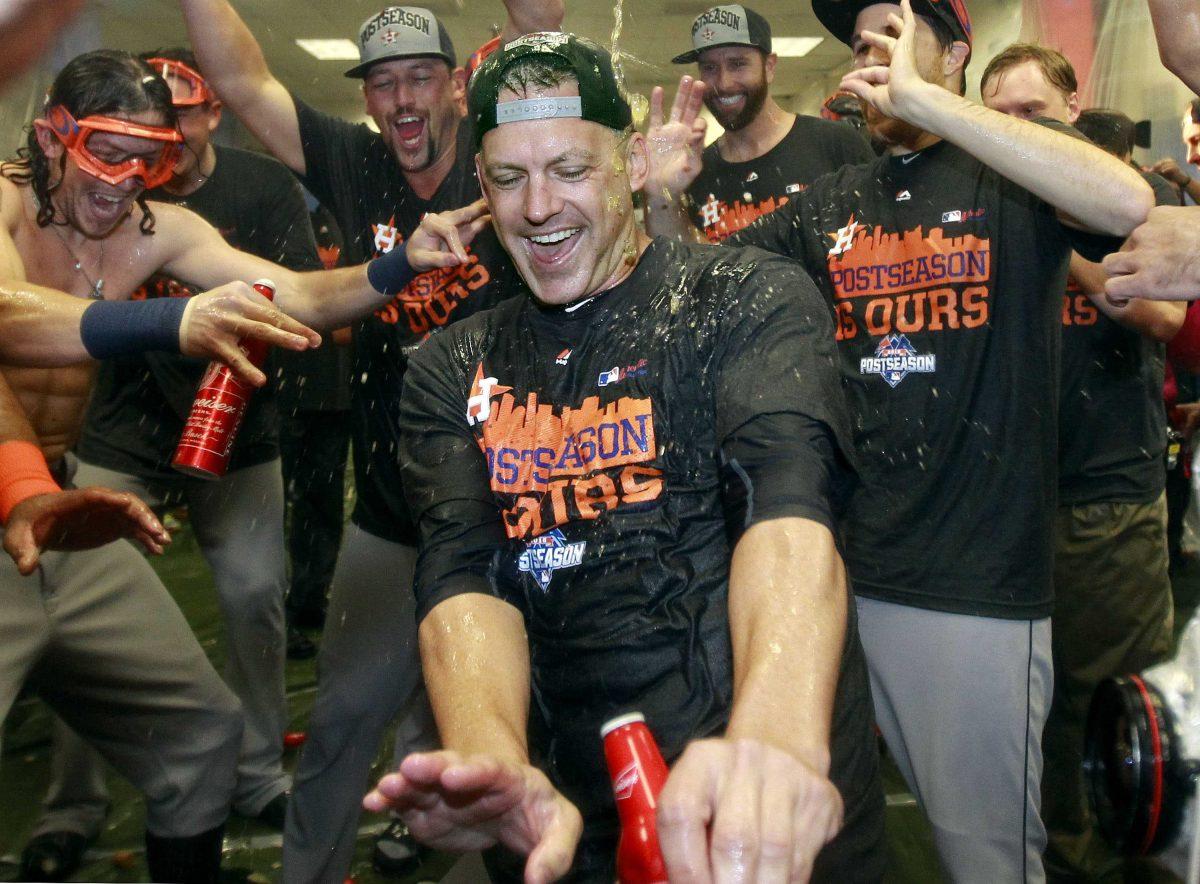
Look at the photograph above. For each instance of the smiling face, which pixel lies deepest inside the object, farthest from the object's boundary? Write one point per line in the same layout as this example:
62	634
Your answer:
560	194
416	103
738	80
1023	91
92	206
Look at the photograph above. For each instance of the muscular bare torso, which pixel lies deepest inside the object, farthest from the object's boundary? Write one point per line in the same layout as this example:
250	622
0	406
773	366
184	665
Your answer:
54	399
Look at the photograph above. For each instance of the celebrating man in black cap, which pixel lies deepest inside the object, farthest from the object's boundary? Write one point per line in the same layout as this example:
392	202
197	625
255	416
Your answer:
944	263
378	186
766	155
617	416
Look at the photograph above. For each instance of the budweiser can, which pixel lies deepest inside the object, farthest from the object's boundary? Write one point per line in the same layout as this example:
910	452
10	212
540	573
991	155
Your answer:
207	440
638	773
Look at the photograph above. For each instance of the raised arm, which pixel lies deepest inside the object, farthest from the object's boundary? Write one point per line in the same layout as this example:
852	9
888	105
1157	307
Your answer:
1076	178
235	67
528	16
1160	320
1177	29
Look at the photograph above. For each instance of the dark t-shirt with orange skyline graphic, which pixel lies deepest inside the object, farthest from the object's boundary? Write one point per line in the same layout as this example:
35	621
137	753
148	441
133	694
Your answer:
947	281
353	174
576	464
725	196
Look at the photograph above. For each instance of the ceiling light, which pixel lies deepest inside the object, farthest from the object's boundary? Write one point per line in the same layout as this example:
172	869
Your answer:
330	50
794	47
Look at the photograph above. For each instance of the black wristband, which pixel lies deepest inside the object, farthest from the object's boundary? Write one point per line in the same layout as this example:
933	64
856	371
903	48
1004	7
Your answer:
122	328
390	274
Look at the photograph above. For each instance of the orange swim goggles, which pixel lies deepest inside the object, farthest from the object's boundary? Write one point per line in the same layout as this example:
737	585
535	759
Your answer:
188	88
77	137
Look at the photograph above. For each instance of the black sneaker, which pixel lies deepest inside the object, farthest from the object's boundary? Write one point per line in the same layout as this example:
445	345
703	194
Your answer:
53	856
397	853
299	647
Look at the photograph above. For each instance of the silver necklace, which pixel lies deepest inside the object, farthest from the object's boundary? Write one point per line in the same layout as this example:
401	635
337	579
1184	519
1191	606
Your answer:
97	292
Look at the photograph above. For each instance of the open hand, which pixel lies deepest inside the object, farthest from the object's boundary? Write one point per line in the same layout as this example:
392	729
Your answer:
460	803
675	143
79	518
214	322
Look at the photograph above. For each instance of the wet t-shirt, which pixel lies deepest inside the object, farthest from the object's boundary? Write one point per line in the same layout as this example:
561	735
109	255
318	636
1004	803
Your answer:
140	402
571	462
1112	424
726	196
351	171
946	280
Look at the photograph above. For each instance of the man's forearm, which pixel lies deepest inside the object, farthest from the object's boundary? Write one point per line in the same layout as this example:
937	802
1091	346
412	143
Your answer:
1177	29
328	299
1075	177
529	16
787	617
475	657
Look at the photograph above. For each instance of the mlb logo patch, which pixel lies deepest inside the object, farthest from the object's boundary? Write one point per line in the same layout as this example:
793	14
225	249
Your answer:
546	554
895	358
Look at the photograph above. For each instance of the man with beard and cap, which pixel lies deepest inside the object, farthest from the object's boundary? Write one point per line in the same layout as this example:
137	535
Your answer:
378	185
1112	592
944	262
618	514
133	423
766	155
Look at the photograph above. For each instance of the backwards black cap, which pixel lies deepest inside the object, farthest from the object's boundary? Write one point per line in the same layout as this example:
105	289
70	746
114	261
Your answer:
839	16
599	99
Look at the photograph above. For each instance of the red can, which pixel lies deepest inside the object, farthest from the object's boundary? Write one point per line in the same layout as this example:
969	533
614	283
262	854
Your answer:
638	773
207	440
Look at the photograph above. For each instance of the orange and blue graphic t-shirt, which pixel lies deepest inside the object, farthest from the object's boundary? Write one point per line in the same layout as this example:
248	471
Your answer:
726	196
946	280
353	174
570	462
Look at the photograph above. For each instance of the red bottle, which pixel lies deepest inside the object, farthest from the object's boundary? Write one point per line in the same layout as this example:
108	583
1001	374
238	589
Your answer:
638	773
217	412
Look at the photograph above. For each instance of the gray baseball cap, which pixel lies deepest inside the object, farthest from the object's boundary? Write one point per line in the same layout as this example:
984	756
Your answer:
729	25
401	32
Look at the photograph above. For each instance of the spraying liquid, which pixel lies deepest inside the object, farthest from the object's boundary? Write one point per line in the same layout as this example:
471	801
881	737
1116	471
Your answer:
638	103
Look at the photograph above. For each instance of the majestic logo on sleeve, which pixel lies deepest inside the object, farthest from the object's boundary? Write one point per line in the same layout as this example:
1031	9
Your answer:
546	554
894	358
551	466
889	284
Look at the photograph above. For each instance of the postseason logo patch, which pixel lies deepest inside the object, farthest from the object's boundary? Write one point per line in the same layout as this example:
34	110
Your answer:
546	554
895	358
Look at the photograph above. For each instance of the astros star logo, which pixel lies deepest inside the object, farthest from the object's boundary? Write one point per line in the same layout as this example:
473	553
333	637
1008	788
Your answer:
386	236
843	240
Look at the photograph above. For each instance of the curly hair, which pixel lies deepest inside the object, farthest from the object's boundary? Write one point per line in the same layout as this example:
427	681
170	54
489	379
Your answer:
103	82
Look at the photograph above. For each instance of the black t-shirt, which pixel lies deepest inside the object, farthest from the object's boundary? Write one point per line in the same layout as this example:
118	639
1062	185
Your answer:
316	380
140	403
569	463
725	196
1112	424
351	171
946	280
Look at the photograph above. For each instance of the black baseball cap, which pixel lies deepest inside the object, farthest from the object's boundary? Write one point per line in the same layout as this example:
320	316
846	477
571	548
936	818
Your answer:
599	99
839	16
729	25
401	32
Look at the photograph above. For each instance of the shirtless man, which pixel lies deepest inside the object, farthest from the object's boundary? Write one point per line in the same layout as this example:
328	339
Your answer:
95	632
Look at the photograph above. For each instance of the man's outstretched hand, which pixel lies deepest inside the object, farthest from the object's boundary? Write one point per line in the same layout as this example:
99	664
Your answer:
459	803
79	518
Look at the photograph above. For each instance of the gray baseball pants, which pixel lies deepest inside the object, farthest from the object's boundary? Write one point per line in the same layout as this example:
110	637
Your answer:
368	671
961	702
238	522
